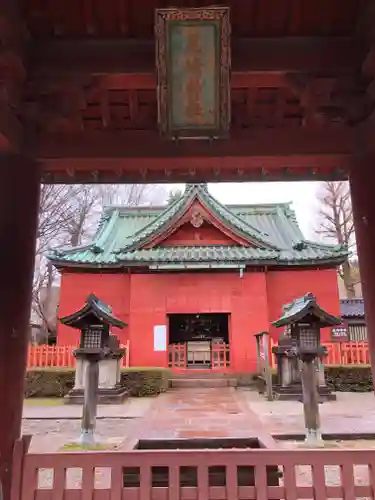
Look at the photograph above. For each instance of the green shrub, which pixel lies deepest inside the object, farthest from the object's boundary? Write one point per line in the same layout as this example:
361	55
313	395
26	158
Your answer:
339	378
349	378
145	381
48	383
56	383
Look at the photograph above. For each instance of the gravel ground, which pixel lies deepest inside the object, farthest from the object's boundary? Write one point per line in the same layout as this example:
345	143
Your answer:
51	435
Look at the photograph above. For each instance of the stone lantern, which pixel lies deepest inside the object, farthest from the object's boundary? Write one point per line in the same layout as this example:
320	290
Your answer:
302	321
98	361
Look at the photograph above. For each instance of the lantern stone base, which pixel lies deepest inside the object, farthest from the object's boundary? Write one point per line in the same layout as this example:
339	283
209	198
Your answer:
110	390
116	395
294	393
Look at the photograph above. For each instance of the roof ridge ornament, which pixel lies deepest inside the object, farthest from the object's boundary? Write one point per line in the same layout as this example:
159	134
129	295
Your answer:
197	218
190	186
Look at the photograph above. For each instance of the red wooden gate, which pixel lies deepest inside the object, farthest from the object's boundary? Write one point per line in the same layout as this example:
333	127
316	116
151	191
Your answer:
220	356
177	356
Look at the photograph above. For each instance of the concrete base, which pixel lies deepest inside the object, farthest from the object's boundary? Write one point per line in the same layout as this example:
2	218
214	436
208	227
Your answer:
110	390
115	395
294	393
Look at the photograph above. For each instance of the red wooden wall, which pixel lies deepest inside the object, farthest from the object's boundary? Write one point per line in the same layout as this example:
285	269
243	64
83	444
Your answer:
113	289
284	286
187	235
145	300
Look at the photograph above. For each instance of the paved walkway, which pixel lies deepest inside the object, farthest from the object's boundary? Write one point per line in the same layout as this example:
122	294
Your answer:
208	413
201	413
197	413
352	413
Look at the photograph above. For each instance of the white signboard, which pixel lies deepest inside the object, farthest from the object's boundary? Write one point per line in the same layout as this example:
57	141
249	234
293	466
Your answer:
160	338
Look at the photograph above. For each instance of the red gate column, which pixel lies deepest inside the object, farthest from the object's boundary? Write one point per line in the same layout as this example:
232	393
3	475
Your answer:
19	200
362	185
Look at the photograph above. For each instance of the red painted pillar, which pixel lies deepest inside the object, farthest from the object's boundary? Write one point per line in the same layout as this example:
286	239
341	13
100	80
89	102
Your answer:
362	185
19	200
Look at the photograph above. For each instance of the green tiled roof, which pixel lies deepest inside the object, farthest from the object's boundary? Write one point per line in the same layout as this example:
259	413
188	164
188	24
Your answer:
302	307
272	231
93	306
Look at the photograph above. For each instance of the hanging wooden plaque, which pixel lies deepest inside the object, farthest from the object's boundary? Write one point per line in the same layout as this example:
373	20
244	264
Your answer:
193	71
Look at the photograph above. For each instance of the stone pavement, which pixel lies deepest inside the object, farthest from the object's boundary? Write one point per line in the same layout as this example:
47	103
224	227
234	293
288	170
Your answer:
352	413
208	413
199	413
202	413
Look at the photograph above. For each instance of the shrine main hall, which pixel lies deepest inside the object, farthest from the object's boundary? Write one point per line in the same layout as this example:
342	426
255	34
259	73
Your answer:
98	91
196	280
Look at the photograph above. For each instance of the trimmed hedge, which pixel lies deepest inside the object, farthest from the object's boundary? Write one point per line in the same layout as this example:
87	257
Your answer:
349	378
339	378
56	383
48	383
145	381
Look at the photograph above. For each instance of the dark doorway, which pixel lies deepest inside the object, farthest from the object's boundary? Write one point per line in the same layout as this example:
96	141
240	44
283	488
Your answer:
199	332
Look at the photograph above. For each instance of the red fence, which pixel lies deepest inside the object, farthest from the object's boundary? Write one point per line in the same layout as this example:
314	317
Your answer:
341	353
218	356
347	353
194	475
177	356
60	356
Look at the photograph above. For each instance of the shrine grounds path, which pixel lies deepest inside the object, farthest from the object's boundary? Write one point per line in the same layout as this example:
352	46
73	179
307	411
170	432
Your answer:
203	413
189	413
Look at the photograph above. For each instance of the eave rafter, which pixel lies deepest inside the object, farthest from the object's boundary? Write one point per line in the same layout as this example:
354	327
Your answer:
69	76
122	157
325	99
92	106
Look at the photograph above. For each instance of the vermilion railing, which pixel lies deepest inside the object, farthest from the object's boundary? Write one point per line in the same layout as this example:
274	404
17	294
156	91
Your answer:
340	353
220	356
177	356
257	474
60	356
347	353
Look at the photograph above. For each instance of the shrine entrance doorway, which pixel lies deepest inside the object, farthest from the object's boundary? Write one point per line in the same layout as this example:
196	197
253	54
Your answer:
199	341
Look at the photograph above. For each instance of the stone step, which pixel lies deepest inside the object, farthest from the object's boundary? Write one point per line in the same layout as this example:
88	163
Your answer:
188	383
201	374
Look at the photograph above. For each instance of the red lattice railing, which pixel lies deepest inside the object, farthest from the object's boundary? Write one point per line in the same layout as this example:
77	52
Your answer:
340	353
60	356
177	356
220	356
258	474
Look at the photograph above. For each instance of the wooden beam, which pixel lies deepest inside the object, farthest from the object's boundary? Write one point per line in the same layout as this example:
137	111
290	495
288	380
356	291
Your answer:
148	144
248	55
147	81
137	156
216	169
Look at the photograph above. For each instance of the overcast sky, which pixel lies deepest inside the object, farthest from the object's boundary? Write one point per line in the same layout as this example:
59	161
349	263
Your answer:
301	194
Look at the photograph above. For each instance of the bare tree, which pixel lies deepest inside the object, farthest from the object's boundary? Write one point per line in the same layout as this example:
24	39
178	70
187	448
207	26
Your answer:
68	215
336	224
54	214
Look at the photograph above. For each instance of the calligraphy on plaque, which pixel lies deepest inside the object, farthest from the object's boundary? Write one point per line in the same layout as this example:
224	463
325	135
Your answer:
193	71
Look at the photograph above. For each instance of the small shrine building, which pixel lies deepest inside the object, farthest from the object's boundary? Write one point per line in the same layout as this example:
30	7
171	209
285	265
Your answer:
196	280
